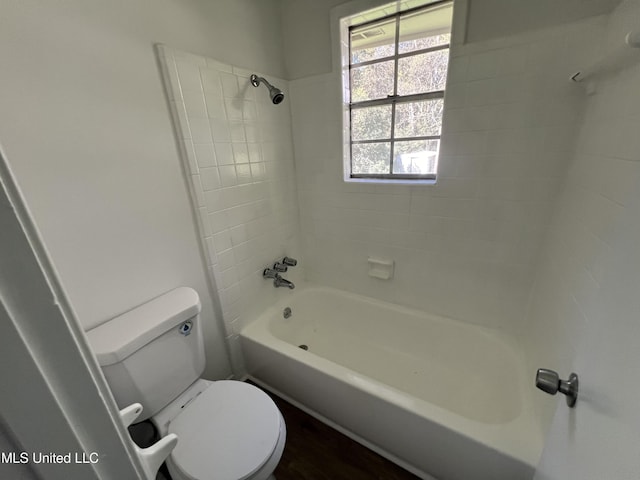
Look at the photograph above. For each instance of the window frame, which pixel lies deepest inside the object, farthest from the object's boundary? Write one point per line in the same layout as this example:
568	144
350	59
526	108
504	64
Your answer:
393	100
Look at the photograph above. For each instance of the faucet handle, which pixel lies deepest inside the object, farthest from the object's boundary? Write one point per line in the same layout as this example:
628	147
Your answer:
291	262
280	267
269	273
549	381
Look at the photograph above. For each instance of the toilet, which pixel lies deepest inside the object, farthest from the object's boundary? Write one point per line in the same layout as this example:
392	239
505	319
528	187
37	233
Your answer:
154	355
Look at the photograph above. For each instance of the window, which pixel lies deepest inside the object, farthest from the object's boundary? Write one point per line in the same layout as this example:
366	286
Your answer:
394	93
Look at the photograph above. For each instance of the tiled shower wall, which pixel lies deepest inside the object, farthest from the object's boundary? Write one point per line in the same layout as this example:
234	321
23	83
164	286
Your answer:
585	304
237	150
466	247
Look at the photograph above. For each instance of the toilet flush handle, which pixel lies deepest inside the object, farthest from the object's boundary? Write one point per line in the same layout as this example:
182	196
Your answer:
152	457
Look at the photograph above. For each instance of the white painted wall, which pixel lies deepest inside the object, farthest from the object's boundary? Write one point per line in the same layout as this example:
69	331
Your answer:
53	396
584	309
466	247
307	37
498	18
236	145
85	122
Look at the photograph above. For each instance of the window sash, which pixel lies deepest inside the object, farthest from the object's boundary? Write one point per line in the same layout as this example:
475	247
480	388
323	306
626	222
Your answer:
392	100
412	53
392	143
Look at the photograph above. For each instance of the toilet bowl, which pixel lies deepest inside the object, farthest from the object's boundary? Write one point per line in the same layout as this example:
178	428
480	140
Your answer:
153	355
242	438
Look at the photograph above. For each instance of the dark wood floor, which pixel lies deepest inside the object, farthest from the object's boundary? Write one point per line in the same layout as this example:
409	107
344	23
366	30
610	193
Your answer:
315	451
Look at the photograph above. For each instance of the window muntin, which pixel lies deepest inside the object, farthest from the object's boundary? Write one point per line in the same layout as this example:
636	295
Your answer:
397	74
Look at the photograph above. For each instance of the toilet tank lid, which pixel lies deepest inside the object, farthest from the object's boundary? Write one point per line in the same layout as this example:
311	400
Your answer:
116	339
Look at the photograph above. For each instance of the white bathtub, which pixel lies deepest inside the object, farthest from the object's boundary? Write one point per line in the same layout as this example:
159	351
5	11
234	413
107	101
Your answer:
444	399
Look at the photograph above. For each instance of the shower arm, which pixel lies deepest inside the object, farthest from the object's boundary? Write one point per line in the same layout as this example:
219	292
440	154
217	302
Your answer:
256	81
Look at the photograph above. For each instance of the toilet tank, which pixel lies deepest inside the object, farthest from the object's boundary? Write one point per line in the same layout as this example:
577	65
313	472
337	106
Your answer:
152	353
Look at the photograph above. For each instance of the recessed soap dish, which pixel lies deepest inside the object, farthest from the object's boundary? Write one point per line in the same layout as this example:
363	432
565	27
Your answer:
380	268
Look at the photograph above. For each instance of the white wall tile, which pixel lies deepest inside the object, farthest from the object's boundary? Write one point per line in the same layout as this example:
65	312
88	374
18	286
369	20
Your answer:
224	153
205	155
210	178
200	130
213	200
240	153
509	121
594	224
233	108
228	176
210	78
222	241
189	76
194	104
230	181
243	173
215	105
220	130
229	85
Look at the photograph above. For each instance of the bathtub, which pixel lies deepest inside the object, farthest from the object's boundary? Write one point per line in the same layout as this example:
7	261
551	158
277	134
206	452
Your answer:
444	399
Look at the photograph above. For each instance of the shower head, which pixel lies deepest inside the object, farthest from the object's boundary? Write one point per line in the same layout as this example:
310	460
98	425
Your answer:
275	93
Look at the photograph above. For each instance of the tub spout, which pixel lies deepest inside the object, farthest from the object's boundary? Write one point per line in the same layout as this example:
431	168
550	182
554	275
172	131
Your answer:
278	281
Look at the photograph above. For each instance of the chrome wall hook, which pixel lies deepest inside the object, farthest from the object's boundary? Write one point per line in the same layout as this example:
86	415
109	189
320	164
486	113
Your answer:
549	381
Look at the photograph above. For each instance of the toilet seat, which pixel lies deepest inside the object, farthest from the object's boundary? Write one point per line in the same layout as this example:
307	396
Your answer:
227	432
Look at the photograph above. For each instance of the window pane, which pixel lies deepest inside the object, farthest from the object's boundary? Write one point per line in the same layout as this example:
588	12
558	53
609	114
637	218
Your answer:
426	72
372	81
422	43
425	29
418	156
370	157
371	123
417	119
372	42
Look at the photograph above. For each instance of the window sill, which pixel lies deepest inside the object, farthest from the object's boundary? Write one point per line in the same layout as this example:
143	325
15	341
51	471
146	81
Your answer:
425	181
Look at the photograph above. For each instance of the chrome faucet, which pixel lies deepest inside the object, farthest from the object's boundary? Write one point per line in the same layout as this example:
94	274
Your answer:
278	281
291	262
278	268
283	282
